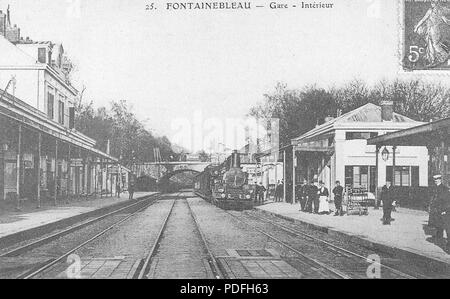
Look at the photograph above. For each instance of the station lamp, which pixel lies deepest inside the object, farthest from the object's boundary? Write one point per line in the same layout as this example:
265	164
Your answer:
385	154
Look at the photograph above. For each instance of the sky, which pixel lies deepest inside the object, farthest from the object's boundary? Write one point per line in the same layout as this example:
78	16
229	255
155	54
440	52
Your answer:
170	65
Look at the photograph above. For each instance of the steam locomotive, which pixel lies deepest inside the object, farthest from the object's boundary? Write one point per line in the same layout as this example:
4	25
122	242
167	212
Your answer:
226	185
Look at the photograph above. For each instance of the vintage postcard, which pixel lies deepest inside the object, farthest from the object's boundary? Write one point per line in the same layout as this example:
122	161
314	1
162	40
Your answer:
220	147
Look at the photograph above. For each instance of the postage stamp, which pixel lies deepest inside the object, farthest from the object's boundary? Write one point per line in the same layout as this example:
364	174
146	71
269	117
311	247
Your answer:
426	35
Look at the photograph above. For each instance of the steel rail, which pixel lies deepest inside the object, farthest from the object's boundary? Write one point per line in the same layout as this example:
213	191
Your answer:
148	259
218	273
326	267
67	253
46	239
302	234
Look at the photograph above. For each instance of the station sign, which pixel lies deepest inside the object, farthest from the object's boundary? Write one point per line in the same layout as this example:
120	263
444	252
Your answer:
76	162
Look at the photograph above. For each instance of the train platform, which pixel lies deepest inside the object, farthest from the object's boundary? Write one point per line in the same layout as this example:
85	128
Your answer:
13	222
408	235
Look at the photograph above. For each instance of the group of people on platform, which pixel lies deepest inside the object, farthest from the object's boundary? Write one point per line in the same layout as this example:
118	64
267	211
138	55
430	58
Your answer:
315	198
131	186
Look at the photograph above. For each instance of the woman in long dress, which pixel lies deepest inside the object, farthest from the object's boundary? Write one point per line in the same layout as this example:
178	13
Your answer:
434	27
324	207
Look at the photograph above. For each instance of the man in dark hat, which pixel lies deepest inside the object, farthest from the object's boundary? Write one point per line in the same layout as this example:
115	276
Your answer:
338	192
439	209
445	209
262	191
303	195
314	196
387	200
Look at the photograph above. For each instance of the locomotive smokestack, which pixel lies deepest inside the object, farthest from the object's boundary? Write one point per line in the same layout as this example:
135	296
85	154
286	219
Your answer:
235	160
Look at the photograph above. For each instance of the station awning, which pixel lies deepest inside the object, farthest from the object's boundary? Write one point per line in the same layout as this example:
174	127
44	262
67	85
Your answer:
20	112
424	135
314	149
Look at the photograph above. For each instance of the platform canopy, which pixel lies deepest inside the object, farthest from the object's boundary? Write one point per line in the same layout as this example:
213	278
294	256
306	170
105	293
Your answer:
424	135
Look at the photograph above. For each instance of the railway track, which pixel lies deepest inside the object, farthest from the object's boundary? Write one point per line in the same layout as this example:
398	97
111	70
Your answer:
43	267
309	259
341	261
154	257
361	257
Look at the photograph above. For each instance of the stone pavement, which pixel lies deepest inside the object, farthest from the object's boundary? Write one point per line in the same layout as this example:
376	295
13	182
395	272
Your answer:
257	264
12	222
119	267
409	233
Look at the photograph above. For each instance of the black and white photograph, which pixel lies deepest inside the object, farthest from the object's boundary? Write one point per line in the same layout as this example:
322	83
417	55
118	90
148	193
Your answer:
224	145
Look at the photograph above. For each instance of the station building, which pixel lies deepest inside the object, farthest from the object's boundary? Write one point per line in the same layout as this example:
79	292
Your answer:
338	151
42	156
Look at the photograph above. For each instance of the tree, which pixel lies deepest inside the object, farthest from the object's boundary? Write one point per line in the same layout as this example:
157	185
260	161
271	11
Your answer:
204	157
129	140
297	110
301	110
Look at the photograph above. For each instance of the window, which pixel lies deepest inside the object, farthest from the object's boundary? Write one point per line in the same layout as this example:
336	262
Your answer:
415	176
61	112
42	55
71	117
405	176
361	177
50	103
360	135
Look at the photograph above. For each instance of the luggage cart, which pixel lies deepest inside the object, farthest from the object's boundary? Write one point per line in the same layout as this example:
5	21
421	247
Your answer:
357	201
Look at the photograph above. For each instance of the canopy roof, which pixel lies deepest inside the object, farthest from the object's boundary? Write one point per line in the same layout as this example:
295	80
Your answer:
424	135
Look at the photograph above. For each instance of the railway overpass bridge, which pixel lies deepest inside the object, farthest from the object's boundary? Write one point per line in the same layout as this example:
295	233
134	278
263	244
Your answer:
166	170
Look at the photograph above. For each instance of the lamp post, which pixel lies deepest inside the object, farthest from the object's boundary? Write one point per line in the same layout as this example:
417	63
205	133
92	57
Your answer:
385	154
4	148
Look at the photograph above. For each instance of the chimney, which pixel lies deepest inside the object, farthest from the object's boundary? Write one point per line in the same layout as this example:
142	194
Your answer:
235	160
387	110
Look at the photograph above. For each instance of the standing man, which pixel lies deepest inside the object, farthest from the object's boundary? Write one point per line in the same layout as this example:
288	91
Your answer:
445	211
310	193
118	188
256	192
386	199
338	192
303	196
262	191
438	209
131	187
314	197
278	192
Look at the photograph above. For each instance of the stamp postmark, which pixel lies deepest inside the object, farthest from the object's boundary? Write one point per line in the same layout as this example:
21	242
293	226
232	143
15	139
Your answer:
426	35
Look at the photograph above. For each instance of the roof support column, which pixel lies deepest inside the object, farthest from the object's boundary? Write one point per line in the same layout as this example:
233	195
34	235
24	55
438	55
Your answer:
377	162
69	171
95	176
83	176
294	162
55	189
394	148
284	176
38	175
19	168
101	181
